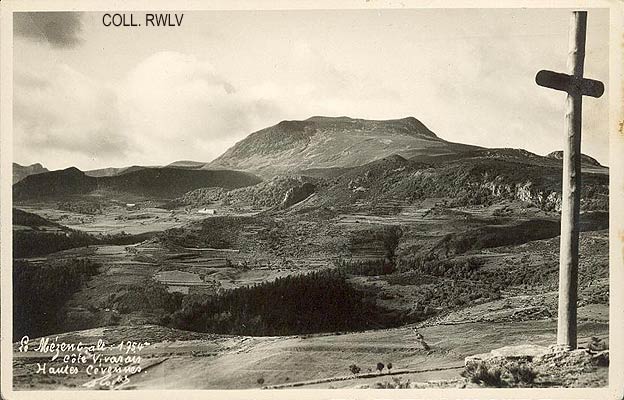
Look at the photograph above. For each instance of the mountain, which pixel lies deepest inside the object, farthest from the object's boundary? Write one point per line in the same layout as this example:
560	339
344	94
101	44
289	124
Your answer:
332	142
148	182
20	171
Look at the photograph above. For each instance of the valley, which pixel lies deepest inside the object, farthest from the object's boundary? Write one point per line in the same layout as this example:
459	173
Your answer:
288	272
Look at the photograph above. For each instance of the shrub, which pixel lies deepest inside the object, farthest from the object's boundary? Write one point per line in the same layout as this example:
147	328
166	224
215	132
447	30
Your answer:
396	383
596	344
522	373
391	236
481	374
380	367
354	369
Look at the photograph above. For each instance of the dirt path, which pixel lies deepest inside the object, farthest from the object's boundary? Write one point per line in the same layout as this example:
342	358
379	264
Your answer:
360	376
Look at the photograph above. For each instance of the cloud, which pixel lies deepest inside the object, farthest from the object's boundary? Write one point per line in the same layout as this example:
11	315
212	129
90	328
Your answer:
173	106
484	93
59	29
176	106
170	106
63	114
312	84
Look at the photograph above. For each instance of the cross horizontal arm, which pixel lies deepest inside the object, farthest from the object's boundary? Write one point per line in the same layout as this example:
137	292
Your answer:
569	84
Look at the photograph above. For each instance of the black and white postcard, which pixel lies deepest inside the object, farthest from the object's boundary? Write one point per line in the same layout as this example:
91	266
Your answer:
353	199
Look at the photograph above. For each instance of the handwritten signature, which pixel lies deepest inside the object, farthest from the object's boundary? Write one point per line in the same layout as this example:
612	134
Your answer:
109	381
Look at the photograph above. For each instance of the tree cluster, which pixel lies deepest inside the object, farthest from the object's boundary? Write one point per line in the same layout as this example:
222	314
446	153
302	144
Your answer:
321	301
40	292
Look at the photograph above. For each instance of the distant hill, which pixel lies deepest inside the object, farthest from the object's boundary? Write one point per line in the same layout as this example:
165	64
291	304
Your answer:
173	182
70	181
328	142
111	171
187	164
553	159
585	159
148	182
20	171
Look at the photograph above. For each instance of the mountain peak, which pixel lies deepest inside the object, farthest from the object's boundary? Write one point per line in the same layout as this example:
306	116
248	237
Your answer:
323	118
72	171
331	142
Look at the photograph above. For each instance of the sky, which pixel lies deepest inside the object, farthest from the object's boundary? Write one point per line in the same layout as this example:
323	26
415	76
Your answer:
92	96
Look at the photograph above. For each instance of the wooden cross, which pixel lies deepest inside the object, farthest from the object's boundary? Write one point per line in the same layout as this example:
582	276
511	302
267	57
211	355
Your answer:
576	86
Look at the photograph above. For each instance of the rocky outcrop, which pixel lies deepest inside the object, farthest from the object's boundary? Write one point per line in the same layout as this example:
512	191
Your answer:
526	192
297	194
531	366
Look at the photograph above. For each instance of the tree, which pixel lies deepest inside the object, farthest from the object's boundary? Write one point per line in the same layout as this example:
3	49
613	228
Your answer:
389	366
391	236
354	369
380	367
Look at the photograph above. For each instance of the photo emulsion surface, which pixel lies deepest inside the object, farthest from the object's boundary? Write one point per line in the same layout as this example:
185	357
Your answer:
310	199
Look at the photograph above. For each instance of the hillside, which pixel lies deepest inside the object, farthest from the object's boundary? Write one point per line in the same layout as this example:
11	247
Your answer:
147	182
471	178
20	171
326	142
476	177
266	194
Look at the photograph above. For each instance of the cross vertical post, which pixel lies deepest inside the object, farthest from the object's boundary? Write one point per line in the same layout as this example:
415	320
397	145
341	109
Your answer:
571	190
576	87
